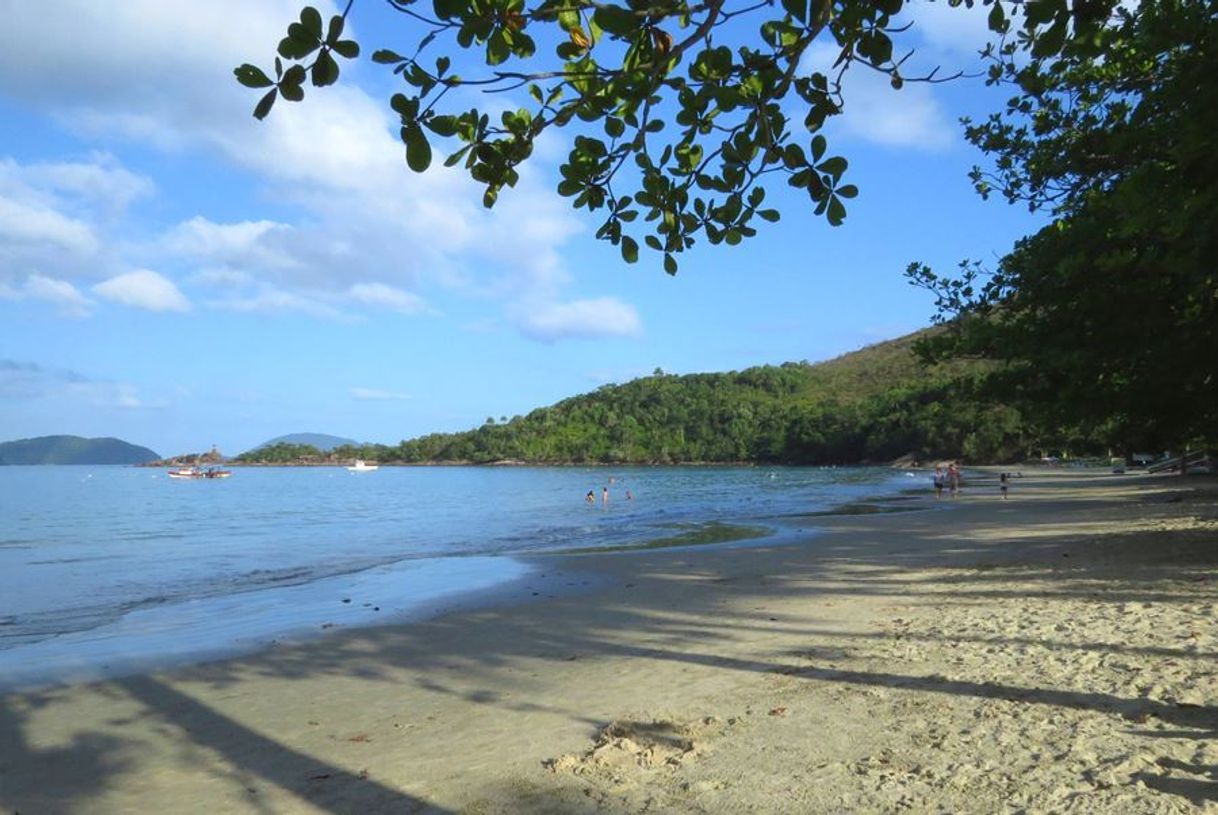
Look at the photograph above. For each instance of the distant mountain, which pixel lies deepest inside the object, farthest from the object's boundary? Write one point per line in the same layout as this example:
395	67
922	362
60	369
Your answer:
73	450
321	441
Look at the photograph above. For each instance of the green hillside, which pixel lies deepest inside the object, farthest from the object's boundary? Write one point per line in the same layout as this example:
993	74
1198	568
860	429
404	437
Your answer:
73	450
875	404
872	405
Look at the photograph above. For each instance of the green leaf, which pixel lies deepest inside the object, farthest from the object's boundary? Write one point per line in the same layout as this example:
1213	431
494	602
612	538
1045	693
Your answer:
797	9
616	20
292	93
442	125
418	151
793	157
997	19
819	144
770	215
836	211
264	104
847	191
833	166
310	18
670	263
447	9
568	19
289	86
614	127
497	48
386	57
457	156
251	76
630	249
335	29
348	49
325	69
290	48
1051	40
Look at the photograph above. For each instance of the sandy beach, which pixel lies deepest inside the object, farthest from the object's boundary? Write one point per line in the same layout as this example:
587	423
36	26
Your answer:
1056	652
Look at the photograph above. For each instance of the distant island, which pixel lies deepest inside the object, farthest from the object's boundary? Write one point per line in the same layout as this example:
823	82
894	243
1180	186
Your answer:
878	404
319	441
73	450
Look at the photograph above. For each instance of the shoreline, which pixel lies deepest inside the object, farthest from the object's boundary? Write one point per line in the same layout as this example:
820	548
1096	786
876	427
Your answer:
1049	652
208	629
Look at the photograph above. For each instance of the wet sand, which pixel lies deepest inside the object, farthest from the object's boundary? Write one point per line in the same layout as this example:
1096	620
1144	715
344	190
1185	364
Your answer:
1056	652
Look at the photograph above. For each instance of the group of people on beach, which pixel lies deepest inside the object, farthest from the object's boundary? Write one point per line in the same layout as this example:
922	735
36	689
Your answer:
949	478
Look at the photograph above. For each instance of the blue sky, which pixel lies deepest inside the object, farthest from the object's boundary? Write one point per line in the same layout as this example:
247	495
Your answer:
176	274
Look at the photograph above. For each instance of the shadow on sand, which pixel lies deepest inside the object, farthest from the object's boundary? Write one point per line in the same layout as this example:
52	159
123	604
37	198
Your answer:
479	647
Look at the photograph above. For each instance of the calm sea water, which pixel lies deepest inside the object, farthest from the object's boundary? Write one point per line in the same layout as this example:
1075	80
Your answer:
108	570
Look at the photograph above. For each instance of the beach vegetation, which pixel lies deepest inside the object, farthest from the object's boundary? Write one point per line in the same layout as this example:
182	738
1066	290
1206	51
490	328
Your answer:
1105	320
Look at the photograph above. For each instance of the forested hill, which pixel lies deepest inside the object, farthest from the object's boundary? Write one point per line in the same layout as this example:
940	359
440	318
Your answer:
875	404
73	450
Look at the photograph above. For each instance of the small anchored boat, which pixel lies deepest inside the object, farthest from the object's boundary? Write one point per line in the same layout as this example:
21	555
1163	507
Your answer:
362	466
199	472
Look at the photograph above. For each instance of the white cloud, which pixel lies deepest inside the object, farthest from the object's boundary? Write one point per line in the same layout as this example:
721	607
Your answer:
267	299
875	112
582	319
101	182
56	217
61	293
143	288
32	225
955	33
372	235
378	294
224	243
375	395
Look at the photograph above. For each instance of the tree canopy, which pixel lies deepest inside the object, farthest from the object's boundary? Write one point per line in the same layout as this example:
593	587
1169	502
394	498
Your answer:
678	114
678	110
875	404
1108	317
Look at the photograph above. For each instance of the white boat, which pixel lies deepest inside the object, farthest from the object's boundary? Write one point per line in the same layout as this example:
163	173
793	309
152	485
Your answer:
362	466
198	472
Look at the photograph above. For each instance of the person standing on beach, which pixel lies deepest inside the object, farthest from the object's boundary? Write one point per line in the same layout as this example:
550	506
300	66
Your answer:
1003	480
953	479
938	481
